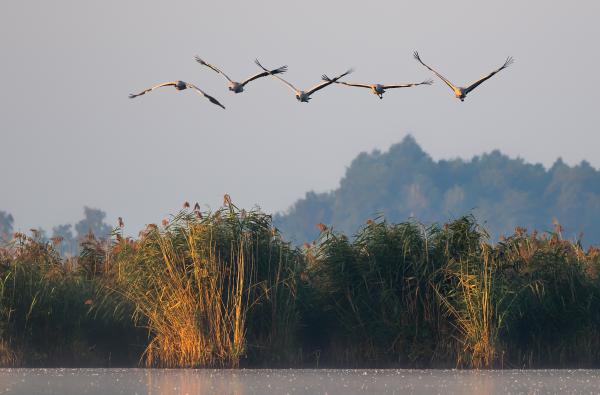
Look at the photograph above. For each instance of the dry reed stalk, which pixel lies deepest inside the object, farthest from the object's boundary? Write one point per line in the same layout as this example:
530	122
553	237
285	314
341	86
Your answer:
195	302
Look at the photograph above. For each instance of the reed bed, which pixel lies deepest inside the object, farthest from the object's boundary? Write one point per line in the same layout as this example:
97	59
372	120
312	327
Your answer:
223	289
49	313
202	281
415	296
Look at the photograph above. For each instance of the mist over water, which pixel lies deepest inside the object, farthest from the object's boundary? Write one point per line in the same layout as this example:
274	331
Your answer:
242	382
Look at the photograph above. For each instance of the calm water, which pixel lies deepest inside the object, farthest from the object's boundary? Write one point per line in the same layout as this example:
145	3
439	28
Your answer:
181	382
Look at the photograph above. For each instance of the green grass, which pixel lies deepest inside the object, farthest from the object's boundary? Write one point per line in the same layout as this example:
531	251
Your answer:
224	289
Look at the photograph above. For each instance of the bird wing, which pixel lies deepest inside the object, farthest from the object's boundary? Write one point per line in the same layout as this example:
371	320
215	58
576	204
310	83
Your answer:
474	85
276	76
209	97
278	70
172	83
202	62
353	84
428	82
416	54
326	81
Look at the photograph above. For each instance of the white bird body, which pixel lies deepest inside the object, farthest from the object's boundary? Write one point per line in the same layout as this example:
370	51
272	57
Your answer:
304	96
378	89
238	87
462	92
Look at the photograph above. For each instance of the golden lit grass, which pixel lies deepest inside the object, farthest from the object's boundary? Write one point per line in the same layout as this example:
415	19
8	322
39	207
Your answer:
473	308
191	299
194	282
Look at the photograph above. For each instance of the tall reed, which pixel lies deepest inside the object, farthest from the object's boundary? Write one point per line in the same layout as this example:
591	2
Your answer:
41	302
202	280
555	319
378	288
223	289
475	308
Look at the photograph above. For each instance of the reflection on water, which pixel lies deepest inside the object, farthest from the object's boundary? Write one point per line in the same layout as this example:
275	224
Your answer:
242	382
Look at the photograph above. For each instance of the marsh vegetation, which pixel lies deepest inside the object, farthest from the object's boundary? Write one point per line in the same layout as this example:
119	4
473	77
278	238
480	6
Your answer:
224	289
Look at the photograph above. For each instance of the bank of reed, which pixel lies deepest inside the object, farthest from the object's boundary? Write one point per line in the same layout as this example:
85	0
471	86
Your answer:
224	289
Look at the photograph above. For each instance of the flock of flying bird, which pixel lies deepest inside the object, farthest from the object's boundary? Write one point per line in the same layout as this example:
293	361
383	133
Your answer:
304	96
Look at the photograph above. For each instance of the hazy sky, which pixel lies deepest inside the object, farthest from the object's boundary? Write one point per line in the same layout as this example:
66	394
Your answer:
70	136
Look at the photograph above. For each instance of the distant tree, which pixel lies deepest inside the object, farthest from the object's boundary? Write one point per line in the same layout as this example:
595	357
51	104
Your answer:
6	226
68	245
93	222
406	182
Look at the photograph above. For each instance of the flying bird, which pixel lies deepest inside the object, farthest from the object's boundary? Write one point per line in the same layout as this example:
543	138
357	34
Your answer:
238	87
304	96
179	85
379	89
460	92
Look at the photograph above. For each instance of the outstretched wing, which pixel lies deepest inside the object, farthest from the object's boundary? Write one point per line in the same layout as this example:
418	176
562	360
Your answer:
353	84
133	95
327	81
474	85
428	82
209	97
210	66
276	76
454	88
278	70
326	78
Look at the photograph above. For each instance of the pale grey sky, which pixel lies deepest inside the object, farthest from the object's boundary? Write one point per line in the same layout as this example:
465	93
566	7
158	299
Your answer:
70	136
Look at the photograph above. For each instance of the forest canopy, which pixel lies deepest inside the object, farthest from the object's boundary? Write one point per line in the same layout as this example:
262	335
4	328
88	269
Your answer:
500	191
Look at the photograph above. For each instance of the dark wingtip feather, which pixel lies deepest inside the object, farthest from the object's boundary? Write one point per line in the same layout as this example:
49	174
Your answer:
279	70
132	96
215	101
345	73
199	60
324	77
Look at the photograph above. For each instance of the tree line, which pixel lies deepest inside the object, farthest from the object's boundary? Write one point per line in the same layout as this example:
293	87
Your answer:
500	191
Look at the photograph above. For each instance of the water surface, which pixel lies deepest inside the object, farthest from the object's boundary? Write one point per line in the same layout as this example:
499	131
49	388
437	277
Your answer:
324	381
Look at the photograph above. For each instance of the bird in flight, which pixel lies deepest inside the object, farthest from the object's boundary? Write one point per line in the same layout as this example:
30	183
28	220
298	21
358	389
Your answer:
379	89
179	85
238	87
460	92
304	96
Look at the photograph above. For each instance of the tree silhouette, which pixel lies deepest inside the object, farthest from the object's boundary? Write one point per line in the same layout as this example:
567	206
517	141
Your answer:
6	226
406	182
